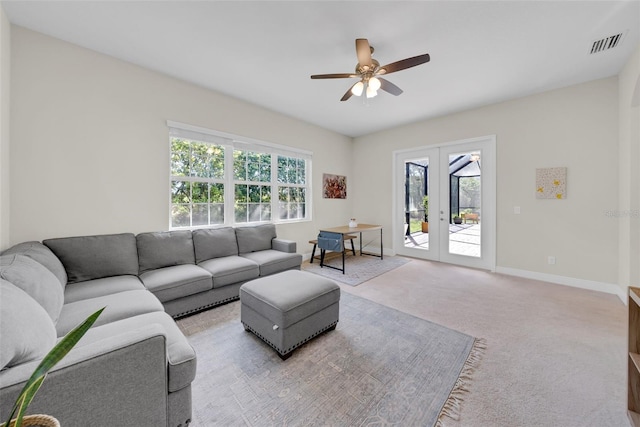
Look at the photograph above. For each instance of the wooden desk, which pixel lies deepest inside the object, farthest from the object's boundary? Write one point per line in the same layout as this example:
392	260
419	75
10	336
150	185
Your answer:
361	228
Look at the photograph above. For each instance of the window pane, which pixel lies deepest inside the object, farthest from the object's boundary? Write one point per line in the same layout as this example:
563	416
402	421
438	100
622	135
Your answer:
180	215
241	213
216	193
241	193
217	213
254	212
199	192
265	214
180	192
216	161
265	172
179	157
266	194
199	160
200	214
239	165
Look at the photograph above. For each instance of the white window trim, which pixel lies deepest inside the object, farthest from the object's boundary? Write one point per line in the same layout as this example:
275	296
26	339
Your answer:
232	142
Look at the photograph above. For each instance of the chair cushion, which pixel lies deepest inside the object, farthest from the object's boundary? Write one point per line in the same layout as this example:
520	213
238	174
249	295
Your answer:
93	257
36	280
164	249
118	306
289	297
214	243
171	283
26	329
272	262
101	287
231	269
255	238
43	255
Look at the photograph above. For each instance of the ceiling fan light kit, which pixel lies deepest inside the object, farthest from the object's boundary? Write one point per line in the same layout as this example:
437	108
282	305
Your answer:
368	70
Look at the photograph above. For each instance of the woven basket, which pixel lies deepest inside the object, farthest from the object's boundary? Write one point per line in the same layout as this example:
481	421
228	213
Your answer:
38	420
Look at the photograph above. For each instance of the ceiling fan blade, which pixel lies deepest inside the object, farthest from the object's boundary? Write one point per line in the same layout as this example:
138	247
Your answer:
334	76
387	86
403	64
363	50
348	93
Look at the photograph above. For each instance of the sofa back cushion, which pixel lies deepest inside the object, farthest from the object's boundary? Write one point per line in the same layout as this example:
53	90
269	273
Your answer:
214	243
257	238
34	279
43	255
164	249
26	329
94	257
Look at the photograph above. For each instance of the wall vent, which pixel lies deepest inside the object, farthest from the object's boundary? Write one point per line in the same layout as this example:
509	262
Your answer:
606	43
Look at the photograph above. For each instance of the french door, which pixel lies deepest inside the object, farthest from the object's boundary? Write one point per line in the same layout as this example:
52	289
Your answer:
445	202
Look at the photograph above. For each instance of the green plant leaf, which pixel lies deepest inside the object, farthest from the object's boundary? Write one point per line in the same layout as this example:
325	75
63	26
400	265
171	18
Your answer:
56	354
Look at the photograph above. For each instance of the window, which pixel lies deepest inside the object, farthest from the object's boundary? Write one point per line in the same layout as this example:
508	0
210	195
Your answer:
222	179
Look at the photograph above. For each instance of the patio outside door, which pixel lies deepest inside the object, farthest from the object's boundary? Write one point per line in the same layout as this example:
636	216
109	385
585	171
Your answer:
458	180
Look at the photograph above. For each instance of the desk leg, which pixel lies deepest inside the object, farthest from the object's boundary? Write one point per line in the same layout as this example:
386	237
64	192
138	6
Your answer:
381	254
361	243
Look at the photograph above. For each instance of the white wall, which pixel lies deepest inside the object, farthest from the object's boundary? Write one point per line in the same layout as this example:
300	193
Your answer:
576	127
5	80
629	175
90	150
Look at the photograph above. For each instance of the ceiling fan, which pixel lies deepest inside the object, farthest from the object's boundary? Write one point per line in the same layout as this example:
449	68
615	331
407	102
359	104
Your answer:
368	71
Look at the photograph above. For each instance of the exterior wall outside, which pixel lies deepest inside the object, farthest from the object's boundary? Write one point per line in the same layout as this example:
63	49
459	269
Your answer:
629	175
5	96
576	127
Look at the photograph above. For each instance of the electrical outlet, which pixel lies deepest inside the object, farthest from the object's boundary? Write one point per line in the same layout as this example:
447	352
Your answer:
551	260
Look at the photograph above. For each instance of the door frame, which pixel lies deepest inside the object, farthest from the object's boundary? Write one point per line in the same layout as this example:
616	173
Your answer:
487	260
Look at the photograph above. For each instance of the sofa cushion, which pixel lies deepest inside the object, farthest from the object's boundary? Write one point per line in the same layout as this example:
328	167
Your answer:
271	261
93	257
171	283
36	280
256	238
43	255
214	243
231	269
26	329
101	287
118	306
180	355
164	249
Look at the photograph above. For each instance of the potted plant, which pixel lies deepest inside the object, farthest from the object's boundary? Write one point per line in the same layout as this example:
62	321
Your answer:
38	376
457	220
425	223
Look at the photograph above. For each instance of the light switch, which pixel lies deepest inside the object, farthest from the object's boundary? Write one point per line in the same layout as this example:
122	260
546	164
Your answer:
516	210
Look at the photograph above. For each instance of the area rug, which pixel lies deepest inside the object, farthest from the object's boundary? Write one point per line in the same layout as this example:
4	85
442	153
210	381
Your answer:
358	269
379	367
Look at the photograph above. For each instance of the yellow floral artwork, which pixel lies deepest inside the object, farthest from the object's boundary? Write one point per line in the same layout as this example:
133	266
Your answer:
551	183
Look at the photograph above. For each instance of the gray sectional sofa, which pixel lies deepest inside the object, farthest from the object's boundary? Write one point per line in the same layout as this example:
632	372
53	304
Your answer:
134	367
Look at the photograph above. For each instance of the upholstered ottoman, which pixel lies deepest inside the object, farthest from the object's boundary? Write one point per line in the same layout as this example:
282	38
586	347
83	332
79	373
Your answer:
288	309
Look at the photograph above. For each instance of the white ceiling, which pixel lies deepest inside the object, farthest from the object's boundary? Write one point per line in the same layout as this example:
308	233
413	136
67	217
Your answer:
482	52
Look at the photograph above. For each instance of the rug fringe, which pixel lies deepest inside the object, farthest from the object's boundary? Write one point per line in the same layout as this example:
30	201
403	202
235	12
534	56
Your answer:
451	408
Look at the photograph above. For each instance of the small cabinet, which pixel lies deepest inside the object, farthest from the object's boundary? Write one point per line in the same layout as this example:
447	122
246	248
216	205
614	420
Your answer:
633	379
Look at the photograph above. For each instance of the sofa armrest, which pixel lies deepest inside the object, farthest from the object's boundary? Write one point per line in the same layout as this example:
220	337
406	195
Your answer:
120	380
283	245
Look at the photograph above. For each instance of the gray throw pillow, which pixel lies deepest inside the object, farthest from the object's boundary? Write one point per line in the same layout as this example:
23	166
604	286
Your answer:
34	279
43	255
94	257
214	243
25	327
257	238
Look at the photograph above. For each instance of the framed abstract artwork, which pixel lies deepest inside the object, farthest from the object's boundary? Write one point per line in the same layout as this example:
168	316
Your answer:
334	186
551	183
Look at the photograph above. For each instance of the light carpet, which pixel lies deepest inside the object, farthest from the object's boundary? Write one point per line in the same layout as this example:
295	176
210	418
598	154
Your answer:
358	269
379	367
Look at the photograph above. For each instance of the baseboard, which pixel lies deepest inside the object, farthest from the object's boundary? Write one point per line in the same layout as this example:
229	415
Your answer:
591	285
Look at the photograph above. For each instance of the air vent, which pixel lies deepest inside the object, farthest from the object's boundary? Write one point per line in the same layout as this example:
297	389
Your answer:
607	43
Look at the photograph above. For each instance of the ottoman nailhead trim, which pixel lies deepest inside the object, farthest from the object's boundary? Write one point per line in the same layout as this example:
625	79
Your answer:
293	347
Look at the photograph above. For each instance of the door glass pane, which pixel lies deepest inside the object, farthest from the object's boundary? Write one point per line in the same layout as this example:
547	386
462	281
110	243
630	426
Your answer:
416	186
465	184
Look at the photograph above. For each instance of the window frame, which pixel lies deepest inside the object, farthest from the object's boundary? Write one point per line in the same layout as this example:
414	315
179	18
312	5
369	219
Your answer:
232	143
